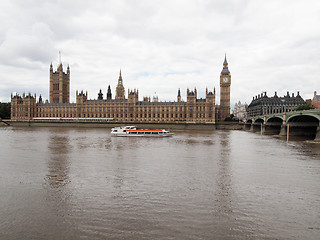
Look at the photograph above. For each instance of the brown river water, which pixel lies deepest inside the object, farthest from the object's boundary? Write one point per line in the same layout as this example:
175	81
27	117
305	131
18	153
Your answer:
81	183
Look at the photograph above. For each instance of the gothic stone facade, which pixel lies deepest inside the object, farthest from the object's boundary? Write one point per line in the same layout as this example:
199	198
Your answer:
59	85
240	111
121	109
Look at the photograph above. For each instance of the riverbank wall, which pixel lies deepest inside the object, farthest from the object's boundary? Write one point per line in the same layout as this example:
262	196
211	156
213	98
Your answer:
87	124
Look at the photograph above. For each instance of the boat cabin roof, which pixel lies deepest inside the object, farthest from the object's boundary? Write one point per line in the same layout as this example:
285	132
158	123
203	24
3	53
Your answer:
126	127
145	130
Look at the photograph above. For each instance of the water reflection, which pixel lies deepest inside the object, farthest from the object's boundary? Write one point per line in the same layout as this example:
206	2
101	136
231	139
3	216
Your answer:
61	183
58	202
224	181
58	163
225	194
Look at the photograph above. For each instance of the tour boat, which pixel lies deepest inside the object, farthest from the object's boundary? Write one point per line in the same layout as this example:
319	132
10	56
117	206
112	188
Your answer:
132	131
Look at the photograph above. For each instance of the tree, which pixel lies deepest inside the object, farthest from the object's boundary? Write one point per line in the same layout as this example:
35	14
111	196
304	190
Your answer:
231	118
304	107
5	110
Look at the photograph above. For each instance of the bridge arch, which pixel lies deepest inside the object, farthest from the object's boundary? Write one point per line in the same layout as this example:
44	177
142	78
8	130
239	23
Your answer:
274	119
303	117
248	124
259	121
257	124
249	121
273	124
304	125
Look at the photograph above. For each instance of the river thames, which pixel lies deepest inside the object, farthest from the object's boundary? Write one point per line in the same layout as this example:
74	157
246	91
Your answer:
81	183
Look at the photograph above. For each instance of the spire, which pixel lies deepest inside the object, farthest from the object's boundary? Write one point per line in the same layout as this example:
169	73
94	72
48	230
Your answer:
179	95
120	78
225	59
225	70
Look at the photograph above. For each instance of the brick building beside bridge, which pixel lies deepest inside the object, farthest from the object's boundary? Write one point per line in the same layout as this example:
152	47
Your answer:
264	105
316	100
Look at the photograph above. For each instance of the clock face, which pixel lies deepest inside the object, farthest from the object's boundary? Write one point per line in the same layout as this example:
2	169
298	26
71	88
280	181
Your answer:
225	80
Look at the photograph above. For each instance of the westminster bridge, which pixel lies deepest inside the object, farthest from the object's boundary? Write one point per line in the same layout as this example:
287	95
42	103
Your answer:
297	123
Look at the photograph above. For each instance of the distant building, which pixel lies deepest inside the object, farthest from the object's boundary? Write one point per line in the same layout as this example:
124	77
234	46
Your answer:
263	105
240	111
130	109
316	100
309	101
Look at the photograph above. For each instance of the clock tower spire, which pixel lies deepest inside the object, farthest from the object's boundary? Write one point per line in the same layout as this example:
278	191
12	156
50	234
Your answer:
225	83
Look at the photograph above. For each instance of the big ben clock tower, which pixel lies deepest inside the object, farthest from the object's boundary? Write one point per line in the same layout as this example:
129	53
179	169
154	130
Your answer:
225	82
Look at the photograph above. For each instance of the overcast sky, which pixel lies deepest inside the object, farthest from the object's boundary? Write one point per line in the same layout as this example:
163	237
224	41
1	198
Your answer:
161	45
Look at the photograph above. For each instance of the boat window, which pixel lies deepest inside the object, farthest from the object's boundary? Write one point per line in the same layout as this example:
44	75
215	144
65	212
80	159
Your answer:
115	130
154	132
148	133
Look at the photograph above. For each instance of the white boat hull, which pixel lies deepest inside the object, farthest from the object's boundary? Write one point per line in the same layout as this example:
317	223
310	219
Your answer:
141	135
132	131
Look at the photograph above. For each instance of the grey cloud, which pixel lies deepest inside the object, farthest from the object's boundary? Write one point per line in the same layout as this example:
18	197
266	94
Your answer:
270	45
27	49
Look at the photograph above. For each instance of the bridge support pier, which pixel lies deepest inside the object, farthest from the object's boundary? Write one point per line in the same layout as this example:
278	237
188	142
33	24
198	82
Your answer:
263	129
317	138
283	130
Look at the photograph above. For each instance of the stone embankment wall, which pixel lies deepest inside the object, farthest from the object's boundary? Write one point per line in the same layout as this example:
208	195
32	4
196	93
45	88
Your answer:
4	123
230	126
178	126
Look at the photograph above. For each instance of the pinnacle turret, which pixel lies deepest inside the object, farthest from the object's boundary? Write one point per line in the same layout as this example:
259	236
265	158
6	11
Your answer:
109	94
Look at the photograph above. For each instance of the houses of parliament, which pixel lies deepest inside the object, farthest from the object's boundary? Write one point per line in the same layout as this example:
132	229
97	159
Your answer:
120	108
